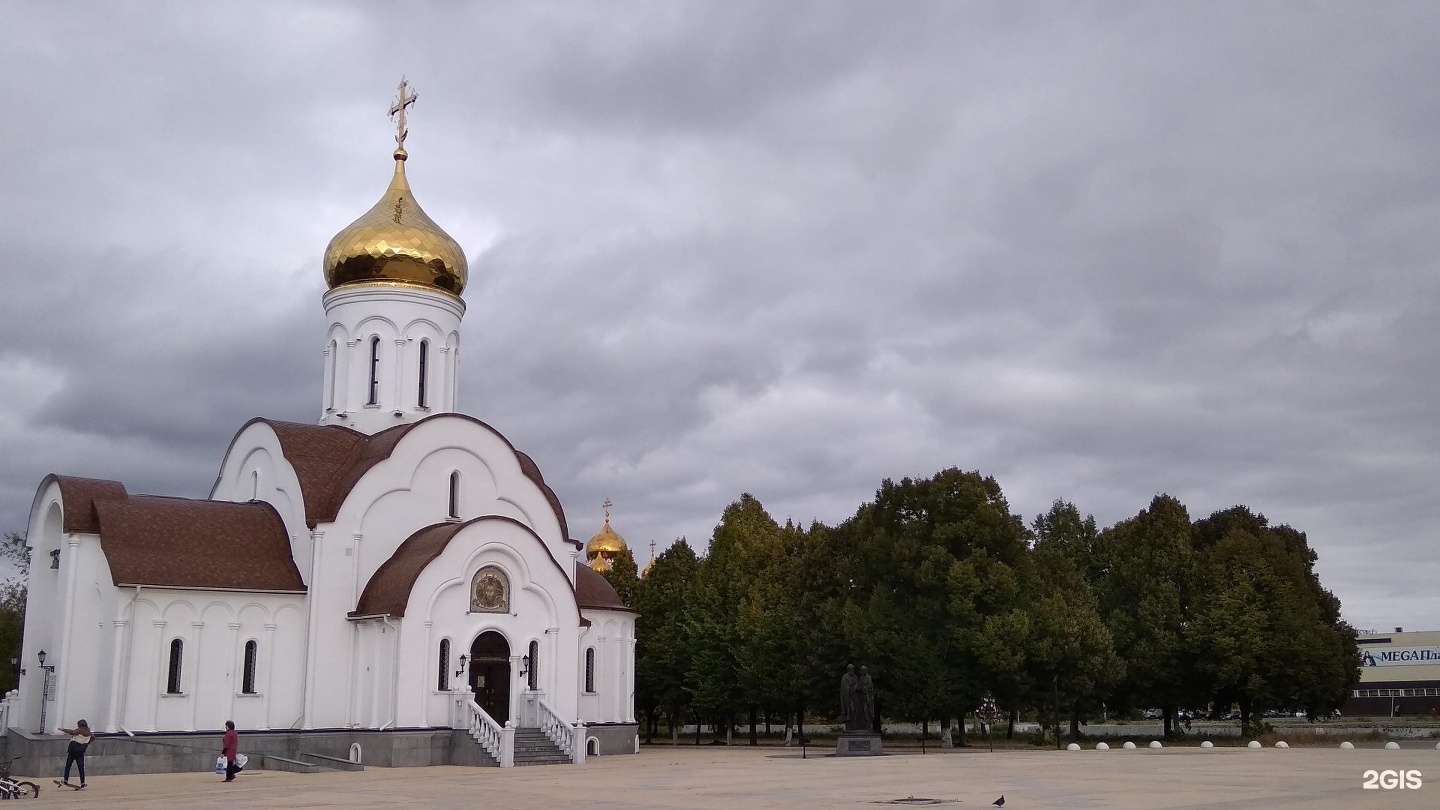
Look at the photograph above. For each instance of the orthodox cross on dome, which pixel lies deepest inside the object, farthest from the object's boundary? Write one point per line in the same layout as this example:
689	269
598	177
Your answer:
607	506
397	112
652	552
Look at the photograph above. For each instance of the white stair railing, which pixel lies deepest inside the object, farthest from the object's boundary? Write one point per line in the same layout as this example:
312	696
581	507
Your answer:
6	706
498	741
568	737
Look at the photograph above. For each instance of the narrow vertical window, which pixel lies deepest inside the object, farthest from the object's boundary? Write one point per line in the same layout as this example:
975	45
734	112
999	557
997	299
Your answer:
252	651
374	398
421	398
177	653
454	494
444	683
590	670
534	682
254	485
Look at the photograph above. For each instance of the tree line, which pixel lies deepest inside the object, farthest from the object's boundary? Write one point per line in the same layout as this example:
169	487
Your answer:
948	597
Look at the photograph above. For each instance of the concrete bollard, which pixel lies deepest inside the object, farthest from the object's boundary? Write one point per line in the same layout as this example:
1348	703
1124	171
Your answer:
1282	744
1207	744
1128	746
1346	746
1106	747
1392	746
1156	744
1253	744
1073	747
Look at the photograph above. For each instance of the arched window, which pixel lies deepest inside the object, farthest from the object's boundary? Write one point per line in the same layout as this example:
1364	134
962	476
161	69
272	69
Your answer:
590	669
421	394
254	485
252	651
177	653
454	495
374	398
534	682
444	682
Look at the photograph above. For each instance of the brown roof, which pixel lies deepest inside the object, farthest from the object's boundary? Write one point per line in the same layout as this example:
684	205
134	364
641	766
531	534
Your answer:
77	498
389	588
595	591
330	460
184	543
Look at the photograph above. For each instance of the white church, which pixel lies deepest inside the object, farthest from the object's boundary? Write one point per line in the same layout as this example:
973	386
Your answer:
397	565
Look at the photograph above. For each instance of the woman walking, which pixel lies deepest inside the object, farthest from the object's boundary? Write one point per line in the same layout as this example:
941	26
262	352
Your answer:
228	748
80	738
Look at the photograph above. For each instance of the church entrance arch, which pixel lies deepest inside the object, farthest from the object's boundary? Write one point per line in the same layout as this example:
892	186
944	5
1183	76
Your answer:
490	674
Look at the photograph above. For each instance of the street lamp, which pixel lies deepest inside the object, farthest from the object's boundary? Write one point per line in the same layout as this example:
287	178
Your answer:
45	693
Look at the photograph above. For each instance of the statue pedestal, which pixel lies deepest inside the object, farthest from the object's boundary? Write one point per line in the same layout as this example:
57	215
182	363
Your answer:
859	744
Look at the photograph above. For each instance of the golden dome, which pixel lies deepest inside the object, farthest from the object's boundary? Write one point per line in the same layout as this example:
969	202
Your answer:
395	241
601	550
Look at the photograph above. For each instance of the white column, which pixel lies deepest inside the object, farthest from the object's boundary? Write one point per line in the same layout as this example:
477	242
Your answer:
327	393
352	700
516	685
455	378
65	674
307	695
629	662
604	682
432	651
230	686
117	671
398	404
161	654
551	657
358	537
377	654
352	397
268	696
199	628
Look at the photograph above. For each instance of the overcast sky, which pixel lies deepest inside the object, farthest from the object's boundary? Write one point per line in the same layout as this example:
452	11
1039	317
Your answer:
1096	251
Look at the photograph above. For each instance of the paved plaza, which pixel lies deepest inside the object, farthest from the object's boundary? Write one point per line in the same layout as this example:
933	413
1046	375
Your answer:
743	777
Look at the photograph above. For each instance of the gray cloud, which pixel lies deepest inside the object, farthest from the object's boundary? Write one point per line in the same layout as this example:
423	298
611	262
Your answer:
788	249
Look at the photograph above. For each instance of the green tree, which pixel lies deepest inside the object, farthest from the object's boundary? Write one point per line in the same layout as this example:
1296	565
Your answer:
929	563
662	643
1269	635
1147	574
743	544
1071	653
624	577
15	555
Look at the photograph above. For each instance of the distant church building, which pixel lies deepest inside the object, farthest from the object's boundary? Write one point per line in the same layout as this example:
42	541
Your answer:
605	546
397	566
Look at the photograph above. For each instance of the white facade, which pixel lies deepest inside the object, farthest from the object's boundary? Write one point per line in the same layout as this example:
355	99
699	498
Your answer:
338	572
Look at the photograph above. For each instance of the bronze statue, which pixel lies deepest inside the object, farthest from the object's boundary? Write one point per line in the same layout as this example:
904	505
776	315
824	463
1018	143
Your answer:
857	699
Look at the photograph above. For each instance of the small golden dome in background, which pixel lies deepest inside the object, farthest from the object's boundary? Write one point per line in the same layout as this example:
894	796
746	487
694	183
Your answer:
600	552
395	241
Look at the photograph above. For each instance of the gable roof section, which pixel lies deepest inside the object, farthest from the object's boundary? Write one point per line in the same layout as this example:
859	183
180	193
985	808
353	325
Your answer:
330	460
389	588
78	497
184	543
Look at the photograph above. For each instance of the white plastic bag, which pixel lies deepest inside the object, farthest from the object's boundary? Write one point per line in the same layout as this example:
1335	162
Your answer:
220	765
241	761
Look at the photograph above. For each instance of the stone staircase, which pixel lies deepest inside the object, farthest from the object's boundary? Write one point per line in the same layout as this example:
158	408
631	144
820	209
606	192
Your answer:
532	747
